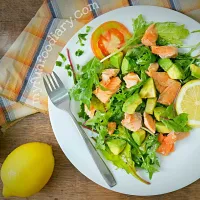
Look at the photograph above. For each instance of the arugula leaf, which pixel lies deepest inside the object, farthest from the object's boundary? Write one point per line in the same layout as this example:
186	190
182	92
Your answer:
123	161
178	124
171	33
89	78
150	161
79	52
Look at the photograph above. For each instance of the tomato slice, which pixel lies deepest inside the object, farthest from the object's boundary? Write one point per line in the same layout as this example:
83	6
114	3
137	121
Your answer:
109	37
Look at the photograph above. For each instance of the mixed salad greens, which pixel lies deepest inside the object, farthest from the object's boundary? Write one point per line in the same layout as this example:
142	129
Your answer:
127	92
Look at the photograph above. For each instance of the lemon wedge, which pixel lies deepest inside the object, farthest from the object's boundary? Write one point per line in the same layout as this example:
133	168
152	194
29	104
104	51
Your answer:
188	101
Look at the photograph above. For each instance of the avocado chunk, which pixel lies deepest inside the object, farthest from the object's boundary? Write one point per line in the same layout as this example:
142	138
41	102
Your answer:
98	105
150	105
125	66
158	111
116	60
195	71
116	146
131	104
161	128
175	72
139	136
165	63
148	90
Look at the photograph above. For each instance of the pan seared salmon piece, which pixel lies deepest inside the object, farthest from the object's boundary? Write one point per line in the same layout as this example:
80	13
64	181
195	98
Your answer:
111	88
109	73
150	36
169	94
131	79
111	127
149	122
161	80
153	67
90	112
132	122
165	51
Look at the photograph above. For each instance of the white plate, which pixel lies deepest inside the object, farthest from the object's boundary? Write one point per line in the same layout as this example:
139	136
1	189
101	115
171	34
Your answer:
179	169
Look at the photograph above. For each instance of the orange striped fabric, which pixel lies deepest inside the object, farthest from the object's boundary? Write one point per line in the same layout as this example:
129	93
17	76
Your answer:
21	88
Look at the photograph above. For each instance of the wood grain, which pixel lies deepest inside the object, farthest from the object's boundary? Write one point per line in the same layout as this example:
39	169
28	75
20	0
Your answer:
67	183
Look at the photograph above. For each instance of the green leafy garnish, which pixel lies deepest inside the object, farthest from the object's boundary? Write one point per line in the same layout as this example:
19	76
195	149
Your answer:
69	73
58	63
88	28
79	52
196	31
68	67
78	66
82	91
81	38
171	33
63	57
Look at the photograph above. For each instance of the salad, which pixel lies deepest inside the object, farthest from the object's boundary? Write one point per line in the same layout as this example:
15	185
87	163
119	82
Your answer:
137	92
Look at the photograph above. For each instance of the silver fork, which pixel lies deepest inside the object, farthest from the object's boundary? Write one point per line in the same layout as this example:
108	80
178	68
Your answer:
60	98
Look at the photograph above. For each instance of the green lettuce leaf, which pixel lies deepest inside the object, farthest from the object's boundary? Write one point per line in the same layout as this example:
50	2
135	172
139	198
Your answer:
171	33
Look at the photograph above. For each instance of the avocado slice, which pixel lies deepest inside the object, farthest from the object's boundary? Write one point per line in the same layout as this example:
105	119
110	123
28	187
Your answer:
131	104
175	72
158	111
98	105
125	66
195	71
161	128
150	105
116	60
139	136
165	63
116	146
148	90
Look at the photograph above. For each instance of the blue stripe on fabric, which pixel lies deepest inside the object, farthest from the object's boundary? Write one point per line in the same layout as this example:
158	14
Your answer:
31	68
172	4
4	110
93	10
51	9
56	9
130	2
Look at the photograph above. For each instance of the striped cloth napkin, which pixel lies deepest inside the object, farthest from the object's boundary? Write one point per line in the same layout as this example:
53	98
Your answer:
35	51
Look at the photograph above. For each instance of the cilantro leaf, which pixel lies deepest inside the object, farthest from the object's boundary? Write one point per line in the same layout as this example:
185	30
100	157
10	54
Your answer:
81	38
79	52
171	33
88	28
58	63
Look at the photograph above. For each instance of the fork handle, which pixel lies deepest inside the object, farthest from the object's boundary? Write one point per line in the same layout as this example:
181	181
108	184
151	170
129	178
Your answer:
105	172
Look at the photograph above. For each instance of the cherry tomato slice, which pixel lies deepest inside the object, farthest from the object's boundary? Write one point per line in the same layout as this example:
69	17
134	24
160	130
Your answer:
109	37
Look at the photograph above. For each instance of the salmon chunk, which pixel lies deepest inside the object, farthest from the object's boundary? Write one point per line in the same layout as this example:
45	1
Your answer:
149	122
111	88
169	94
90	112
153	67
150	36
181	135
109	73
131	79
111	127
165	51
132	122
161	80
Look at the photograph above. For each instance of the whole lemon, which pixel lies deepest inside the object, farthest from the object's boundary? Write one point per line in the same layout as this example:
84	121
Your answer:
27	169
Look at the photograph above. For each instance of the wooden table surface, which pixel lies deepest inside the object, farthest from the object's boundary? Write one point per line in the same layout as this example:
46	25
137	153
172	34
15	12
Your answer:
67	183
